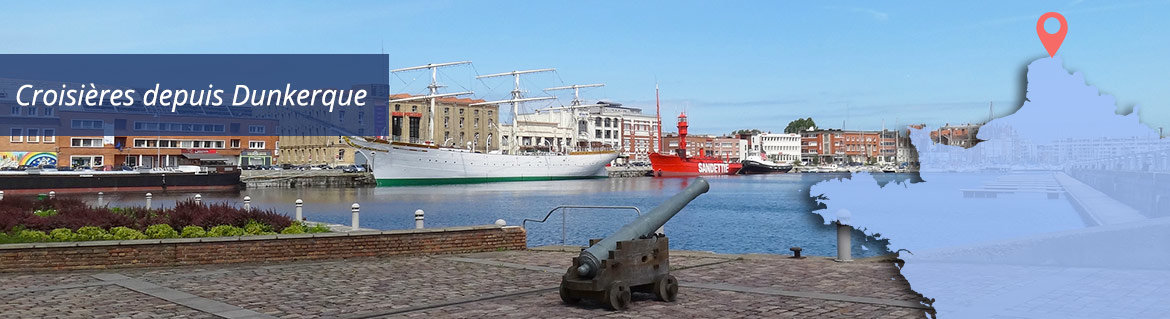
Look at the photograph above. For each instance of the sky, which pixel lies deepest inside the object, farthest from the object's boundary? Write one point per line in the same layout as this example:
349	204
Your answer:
729	65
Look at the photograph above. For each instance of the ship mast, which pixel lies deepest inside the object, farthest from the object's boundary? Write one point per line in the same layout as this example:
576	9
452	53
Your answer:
434	89
573	105
658	113
517	98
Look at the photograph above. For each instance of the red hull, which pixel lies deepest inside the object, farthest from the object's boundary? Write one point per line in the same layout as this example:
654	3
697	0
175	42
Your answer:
672	165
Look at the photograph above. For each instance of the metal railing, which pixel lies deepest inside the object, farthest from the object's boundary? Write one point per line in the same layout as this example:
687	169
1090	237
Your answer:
563	208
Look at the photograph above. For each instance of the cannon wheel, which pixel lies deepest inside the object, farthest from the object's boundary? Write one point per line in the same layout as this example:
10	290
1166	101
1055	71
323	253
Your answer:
568	299
666	288
617	296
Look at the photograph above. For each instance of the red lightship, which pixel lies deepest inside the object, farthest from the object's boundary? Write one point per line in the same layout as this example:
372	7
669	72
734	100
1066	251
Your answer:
679	164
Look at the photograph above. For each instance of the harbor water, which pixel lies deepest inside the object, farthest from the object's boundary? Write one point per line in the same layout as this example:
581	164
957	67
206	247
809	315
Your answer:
740	214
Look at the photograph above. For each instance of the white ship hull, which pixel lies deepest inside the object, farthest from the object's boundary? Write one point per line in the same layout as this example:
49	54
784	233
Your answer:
403	164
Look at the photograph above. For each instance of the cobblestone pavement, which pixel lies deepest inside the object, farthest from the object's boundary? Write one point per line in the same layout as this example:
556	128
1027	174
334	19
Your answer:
495	284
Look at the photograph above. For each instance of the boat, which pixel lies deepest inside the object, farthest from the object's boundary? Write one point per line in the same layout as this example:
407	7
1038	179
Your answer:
681	164
762	165
401	164
184	178
404	164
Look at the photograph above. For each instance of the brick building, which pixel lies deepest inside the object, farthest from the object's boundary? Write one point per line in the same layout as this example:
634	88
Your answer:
822	146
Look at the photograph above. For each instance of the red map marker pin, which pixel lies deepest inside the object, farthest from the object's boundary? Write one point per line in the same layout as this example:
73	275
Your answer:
1051	41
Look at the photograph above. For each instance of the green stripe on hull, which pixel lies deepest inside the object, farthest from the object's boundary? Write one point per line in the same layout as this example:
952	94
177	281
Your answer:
473	180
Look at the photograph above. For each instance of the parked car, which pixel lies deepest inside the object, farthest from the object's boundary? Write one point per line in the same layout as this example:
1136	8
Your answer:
353	169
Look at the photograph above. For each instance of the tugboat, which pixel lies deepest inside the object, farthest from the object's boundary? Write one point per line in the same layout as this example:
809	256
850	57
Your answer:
679	164
763	166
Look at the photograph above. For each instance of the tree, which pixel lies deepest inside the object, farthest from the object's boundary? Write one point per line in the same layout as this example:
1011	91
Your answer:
746	132
798	125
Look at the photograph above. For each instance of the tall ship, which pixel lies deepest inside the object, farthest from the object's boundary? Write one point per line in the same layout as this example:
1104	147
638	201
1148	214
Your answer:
682	164
398	163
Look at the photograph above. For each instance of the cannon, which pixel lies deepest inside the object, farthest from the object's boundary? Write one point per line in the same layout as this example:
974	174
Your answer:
633	259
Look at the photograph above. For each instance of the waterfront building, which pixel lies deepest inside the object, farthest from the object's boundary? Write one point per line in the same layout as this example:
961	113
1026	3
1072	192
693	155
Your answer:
590	127
836	146
964	135
542	132
779	147
457	123
724	147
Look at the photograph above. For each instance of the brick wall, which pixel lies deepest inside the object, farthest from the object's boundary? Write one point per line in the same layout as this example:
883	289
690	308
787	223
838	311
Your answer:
273	248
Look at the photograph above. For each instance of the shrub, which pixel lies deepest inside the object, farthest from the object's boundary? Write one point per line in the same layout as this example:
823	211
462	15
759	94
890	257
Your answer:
225	231
62	234
256	228
48	214
32	235
319	228
193	231
296	228
45	212
160	231
92	233
126	233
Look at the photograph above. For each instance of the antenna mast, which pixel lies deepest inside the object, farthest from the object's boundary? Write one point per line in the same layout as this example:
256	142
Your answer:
434	67
517	98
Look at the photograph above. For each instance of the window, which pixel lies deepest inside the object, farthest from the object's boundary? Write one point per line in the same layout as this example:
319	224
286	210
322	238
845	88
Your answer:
414	108
86	142
446	122
86	161
461	121
256	129
597	133
48	111
17	134
15	110
461	111
50	135
256	145
87	124
34	135
476	112
235	143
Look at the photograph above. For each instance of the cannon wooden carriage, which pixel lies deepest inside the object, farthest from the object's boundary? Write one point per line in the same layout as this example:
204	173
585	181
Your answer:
636	259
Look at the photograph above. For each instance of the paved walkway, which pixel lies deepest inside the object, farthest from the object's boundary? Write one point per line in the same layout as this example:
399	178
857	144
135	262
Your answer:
519	284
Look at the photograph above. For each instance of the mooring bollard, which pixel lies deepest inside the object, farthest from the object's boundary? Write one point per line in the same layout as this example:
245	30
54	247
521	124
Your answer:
100	200
418	219
148	196
198	199
354	219
52	194
300	206
844	238
1	195
247	202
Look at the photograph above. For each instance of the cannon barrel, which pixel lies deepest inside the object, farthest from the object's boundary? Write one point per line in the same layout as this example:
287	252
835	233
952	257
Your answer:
644	225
